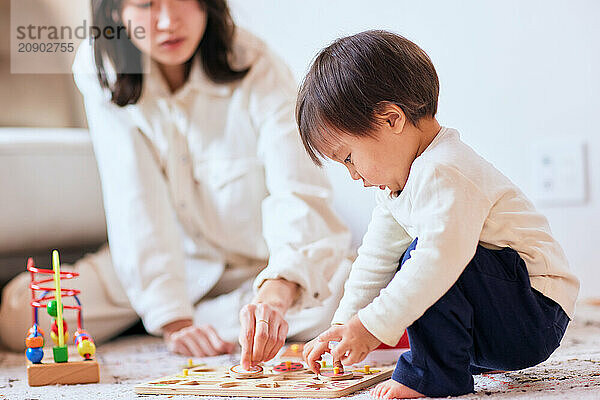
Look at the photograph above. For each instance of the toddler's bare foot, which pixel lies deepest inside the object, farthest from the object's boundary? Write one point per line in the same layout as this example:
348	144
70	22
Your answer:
391	389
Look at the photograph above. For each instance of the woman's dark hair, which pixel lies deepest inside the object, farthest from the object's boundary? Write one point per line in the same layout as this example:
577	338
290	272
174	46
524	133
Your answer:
214	50
354	78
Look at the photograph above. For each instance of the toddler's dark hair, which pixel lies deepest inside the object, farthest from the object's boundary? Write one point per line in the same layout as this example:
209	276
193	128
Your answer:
353	78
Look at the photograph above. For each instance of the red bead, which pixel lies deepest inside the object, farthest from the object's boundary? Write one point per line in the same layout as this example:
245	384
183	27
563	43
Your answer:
55	326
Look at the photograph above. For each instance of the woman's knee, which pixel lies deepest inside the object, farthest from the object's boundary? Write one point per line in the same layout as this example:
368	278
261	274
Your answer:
15	313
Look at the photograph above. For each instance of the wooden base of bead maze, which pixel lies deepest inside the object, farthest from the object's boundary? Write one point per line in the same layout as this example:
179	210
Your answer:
67	373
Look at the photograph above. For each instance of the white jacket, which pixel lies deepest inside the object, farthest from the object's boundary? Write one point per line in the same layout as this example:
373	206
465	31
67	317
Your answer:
209	178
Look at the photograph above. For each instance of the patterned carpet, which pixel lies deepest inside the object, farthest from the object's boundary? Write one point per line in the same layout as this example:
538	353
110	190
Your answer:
572	372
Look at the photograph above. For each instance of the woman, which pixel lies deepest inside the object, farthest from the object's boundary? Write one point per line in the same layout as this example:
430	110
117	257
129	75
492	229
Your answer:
205	183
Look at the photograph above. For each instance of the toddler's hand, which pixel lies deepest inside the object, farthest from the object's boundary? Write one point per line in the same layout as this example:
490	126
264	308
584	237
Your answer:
312	353
183	337
355	341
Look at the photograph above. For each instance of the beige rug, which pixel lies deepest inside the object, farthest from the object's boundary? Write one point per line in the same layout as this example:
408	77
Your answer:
573	371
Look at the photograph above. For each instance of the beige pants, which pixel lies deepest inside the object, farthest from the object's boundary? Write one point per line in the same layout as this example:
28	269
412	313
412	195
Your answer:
106	311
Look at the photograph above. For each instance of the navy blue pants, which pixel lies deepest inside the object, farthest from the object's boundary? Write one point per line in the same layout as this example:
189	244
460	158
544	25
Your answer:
490	319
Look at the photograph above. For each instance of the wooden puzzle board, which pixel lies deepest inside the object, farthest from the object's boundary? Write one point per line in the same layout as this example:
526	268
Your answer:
216	381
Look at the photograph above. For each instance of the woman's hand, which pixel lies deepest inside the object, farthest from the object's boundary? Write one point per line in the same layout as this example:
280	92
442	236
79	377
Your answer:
263	333
263	327
185	338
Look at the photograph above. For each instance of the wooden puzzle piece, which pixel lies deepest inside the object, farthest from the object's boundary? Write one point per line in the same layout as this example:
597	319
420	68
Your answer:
240	373
288	366
335	374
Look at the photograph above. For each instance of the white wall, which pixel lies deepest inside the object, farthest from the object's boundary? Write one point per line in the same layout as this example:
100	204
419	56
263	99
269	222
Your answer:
512	73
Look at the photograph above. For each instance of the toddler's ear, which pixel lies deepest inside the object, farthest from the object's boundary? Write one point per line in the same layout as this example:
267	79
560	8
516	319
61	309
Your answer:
393	119
391	115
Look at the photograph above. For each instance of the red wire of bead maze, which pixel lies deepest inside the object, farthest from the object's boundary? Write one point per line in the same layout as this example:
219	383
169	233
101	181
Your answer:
64	292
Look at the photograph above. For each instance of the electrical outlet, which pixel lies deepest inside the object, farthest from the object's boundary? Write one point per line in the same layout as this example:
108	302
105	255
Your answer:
559	172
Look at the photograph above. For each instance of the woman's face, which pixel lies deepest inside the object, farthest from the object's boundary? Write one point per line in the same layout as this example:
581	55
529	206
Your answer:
173	28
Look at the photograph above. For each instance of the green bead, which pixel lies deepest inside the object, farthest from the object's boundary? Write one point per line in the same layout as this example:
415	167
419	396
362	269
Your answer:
61	354
52	308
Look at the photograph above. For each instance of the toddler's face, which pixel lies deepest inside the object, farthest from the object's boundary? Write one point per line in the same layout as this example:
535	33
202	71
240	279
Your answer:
383	160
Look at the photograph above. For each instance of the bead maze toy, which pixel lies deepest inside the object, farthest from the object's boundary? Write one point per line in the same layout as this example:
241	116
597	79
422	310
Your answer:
61	371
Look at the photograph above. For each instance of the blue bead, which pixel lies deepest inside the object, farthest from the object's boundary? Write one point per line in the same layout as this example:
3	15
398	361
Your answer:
35	354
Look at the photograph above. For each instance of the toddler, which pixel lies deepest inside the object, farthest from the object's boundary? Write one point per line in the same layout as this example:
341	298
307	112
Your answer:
454	251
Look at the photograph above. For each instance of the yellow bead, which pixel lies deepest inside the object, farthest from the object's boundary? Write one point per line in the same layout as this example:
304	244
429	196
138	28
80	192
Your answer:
85	347
190	362
54	337
295	348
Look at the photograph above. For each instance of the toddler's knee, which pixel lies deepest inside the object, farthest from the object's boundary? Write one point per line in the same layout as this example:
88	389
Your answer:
536	356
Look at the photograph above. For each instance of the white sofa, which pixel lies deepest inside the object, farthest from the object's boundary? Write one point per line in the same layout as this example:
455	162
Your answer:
50	197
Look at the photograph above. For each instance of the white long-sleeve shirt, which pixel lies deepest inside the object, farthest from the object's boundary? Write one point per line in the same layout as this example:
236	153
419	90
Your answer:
210	178
453	201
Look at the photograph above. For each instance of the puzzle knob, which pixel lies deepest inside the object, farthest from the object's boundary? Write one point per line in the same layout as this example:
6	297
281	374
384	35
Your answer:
323	364
185	372
367	369
288	364
336	370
